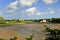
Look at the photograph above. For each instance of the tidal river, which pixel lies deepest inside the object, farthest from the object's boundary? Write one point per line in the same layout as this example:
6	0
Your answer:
28	29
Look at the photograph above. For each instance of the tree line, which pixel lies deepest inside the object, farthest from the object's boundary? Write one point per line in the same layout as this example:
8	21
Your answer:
51	20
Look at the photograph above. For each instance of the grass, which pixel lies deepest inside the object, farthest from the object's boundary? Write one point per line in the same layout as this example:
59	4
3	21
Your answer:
11	23
3	25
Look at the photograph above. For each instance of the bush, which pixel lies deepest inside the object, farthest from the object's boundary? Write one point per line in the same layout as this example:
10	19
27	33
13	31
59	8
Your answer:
31	37
52	34
15	38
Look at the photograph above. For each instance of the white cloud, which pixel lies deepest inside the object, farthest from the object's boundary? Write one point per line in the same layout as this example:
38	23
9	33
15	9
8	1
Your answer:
13	5
50	1
34	12
30	14
21	3
11	10
31	10
27	2
52	12
38	13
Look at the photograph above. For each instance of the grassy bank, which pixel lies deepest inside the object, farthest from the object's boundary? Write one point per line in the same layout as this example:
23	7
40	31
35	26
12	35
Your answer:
11	23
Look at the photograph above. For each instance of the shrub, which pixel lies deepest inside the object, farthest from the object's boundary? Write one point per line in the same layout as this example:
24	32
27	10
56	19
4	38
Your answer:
31	37
52	34
15	38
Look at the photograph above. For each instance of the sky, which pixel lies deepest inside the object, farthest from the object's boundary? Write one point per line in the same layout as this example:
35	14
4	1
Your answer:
29	9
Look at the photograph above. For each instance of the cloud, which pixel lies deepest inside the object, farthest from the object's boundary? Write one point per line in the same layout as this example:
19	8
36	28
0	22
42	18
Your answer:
30	14
49	1
27	2
21	3
11	10
12	7
38	13
33	12
30	11
52	12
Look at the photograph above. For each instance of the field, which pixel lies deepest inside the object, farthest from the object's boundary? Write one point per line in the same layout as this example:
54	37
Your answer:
25	30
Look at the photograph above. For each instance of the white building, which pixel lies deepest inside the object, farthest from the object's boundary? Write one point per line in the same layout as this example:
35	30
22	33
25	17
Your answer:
21	19
43	21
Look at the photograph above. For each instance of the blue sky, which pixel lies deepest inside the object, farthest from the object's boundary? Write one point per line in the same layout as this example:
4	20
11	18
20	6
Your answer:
29	9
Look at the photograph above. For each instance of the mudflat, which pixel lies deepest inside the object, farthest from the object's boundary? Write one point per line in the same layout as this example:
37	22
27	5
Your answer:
25	30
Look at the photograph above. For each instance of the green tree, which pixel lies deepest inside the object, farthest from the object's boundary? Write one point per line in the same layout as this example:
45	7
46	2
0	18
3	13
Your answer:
55	20
2	20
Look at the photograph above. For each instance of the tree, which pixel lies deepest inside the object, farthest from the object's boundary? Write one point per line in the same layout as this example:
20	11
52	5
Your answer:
55	20
2	20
